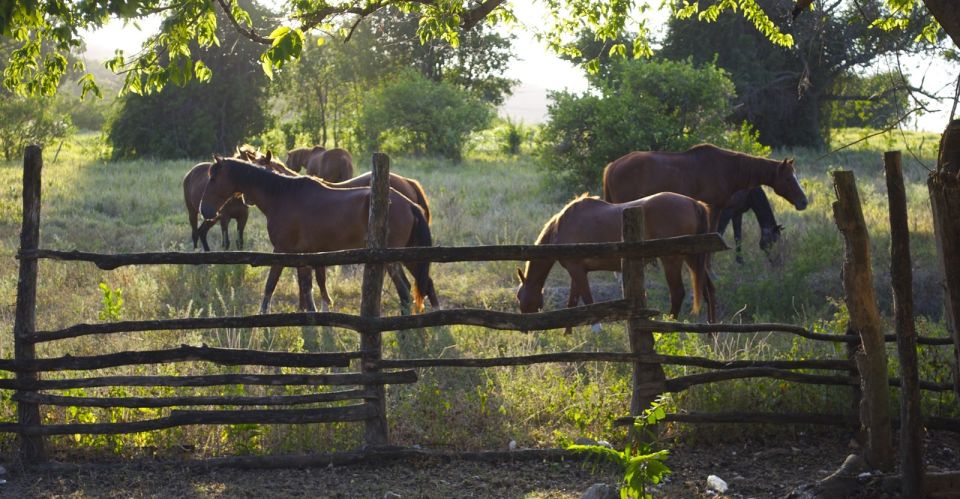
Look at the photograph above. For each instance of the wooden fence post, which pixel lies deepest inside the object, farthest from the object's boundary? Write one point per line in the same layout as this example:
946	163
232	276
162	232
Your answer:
648	379
371	341
25	322
944	187
865	321
901	276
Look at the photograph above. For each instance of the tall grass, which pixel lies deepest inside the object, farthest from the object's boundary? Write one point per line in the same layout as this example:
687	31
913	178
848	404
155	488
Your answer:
489	198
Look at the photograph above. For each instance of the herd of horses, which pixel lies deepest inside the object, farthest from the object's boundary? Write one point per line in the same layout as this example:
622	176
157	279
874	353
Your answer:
697	191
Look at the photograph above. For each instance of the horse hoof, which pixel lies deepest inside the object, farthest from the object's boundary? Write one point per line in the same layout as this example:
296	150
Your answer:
596	328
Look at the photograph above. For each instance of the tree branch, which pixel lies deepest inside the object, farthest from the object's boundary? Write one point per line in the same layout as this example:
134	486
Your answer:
246	32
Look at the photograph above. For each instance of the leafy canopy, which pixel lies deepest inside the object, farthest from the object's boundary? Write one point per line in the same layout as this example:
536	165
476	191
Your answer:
47	30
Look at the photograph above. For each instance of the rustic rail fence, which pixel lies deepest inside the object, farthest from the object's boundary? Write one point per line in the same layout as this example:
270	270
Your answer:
375	372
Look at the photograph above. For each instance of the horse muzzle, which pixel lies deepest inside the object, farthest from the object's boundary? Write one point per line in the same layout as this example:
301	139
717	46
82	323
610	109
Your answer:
801	205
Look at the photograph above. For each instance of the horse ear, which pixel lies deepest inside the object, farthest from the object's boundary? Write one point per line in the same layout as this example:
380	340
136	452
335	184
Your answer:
520	276
217	158
269	155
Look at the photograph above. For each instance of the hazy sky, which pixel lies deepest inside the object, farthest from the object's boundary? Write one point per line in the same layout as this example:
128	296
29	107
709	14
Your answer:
540	71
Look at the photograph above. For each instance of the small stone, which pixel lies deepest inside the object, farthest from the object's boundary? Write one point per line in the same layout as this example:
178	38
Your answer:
391	495
3	471
584	441
717	484
601	491
512	445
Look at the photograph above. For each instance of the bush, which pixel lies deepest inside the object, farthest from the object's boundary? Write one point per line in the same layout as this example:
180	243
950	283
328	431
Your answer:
25	121
641	105
420	116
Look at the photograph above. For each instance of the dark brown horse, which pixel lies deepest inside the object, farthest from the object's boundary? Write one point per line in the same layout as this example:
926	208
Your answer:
591	220
404	185
298	158
306	216
704	172
332	165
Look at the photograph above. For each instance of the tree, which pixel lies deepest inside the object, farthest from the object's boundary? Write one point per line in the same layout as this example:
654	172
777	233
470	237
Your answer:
57	24
197	119
421	116
647	105
787	92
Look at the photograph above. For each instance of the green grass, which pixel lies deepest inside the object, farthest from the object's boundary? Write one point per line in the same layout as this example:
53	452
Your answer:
93	205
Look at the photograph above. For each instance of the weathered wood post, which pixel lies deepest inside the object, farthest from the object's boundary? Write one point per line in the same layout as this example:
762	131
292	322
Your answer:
865	321
371	341
648	379
25	322
901	276
944	187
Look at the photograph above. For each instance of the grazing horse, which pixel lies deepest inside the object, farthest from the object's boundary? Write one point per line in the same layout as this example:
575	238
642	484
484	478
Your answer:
332	165
705	172
306	216
298	158
753	199
592	220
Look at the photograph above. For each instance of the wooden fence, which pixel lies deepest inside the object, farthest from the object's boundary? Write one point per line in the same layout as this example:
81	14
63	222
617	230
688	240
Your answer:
367	386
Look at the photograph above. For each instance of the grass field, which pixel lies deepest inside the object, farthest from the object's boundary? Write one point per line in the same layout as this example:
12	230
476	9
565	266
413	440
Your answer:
93	205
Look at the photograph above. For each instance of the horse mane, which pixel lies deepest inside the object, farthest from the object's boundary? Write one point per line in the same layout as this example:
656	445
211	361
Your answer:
549	231
245	172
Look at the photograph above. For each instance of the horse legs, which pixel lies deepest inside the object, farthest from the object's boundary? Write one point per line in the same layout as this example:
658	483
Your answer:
194	235
402	284
225	233
305	283
579	290
241	224
325	302
202	232
738	235
673	272
271	285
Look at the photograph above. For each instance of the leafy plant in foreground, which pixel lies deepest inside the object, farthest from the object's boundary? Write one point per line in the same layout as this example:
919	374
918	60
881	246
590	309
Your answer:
642	465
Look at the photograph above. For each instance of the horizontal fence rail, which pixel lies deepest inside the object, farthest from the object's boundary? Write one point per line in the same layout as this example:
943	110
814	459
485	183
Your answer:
222	356
676	327
616	310
183	418
215	380
157	402
683	245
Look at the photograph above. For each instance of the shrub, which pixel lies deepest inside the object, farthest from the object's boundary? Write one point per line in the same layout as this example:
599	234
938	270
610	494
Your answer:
417	115
641	105
25	121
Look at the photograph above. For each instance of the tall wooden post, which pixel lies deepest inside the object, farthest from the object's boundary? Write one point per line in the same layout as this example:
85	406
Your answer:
901	276
944	187
25	322
865	321
648	379
371	342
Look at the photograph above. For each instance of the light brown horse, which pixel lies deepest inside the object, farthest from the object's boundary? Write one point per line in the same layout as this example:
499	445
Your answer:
194	182
306	216
298	158
332	165
592	220
704	172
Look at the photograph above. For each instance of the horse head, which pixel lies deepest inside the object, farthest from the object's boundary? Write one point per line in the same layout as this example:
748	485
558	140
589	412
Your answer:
219	189
531	300
787	186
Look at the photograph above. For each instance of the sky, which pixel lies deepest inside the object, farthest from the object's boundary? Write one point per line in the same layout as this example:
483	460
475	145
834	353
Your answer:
539	71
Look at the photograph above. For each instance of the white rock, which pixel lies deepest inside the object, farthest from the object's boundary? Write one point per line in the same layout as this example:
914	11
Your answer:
512	445
716	483
597	328
391	495
600	491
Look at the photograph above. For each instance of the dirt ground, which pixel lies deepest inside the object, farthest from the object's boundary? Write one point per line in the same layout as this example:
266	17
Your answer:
752	468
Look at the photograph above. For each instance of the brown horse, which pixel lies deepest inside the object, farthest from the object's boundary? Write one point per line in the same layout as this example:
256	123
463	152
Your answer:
404	185
332	165
306	216
298	158
704	172
591	220
194	182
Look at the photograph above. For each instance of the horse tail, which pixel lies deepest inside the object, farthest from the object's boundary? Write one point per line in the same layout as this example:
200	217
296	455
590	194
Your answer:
606	185
420	236
700	275
421	198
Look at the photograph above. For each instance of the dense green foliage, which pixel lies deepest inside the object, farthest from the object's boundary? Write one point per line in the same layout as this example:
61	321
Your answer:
875	101
198	118
29	120
641	105
422	116
787	93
